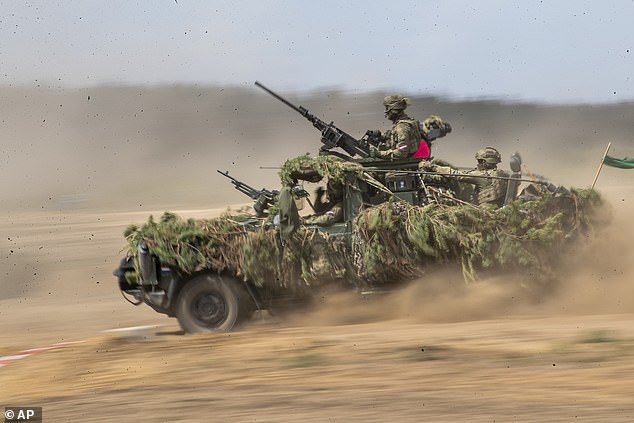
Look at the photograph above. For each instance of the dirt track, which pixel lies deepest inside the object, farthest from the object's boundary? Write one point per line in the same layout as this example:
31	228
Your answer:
562	369
426	353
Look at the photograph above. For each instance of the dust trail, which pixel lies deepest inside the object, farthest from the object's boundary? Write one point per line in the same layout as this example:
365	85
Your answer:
599	279
594	279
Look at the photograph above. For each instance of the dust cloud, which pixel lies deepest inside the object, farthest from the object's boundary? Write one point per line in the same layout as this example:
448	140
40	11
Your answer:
595	278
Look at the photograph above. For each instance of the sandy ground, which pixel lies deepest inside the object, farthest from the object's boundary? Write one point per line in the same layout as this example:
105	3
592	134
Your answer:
513	369
436	350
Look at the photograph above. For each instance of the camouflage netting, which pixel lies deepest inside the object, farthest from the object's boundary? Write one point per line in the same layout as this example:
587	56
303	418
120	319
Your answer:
315	168
326	166
396	239
241	246
390	241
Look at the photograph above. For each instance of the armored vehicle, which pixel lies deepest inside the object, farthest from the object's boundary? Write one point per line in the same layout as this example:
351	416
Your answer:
384	222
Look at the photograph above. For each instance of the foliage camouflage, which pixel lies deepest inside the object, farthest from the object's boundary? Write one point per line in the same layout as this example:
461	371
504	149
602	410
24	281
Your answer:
396	239
241	246
327	166
390	241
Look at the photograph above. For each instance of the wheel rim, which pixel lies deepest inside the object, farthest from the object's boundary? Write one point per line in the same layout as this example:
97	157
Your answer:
209	309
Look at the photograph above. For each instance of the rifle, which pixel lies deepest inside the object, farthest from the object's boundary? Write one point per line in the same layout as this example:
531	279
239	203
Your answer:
540	181
331	136
263	197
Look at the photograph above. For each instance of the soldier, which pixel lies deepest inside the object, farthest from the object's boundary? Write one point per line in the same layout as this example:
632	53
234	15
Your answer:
403	140
431	129
330	211
484	190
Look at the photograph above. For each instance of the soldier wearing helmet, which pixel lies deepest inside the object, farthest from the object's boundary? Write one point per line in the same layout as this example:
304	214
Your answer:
488	158
479	189
404	138
488	190
330	211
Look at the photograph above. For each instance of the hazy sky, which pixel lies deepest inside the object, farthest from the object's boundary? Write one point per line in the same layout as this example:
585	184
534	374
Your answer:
555	51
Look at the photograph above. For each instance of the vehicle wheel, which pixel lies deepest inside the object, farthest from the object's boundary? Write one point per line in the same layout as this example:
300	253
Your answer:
210	303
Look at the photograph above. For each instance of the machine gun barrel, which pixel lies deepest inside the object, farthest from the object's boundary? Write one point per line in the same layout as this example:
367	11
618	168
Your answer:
301	110
248	190
331	136
263	198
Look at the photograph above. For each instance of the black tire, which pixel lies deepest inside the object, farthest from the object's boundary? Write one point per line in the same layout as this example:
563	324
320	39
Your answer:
210	303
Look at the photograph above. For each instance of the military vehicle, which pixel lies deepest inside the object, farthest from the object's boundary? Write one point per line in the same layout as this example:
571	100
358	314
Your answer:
394	222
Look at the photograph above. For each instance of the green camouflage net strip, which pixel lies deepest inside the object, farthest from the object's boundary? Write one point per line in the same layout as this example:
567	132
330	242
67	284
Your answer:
390	241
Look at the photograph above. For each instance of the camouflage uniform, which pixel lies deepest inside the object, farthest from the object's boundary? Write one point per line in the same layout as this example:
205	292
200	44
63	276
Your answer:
487	191
327	218
482	190
327	212
404	138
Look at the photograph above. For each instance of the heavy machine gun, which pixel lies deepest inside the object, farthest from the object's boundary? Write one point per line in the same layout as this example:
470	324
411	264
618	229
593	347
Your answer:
331	136
263	198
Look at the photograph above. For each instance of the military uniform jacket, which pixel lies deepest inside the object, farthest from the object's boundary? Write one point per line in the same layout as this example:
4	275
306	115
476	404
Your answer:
485	191
403	140
331	215
488	191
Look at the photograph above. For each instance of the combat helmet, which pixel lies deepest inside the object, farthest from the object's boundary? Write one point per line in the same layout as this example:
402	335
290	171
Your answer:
490	155
395	102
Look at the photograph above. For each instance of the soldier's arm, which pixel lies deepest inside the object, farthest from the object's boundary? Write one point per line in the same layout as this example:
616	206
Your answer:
334	215
320	205
461	177
445	170
406	142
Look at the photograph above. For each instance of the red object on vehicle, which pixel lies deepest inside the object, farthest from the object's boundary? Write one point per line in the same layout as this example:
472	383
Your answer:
423	150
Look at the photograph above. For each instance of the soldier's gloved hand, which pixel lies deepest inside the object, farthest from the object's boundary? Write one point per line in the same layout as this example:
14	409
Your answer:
299	191
372	137
427	166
